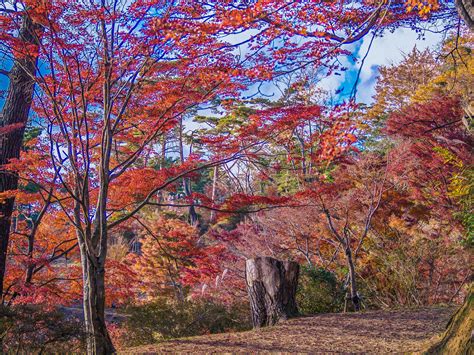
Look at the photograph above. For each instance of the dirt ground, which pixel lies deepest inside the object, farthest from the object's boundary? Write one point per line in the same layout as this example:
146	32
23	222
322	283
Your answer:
377	332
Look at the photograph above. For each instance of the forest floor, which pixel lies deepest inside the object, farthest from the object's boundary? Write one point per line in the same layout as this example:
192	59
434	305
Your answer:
366	332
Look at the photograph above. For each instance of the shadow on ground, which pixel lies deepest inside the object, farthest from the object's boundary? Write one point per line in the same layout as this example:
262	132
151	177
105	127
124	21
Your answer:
368	332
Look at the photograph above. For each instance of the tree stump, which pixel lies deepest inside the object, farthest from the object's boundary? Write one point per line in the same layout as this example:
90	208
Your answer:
271	285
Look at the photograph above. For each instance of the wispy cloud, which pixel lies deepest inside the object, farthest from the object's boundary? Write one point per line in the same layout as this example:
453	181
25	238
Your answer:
385	50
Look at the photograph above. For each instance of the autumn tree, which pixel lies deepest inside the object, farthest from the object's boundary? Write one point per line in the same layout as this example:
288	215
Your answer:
349	205
118	78
432	130
308	34
21	27
173	259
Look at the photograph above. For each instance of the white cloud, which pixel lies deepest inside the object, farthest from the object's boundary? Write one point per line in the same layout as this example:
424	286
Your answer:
386	50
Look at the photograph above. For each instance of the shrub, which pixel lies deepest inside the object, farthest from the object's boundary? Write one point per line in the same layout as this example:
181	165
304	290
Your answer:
34	329
319	291
162	319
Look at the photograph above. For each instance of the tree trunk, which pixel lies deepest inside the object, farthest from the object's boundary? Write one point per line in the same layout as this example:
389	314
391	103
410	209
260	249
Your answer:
271	285
352	280
457	338
98	338
292	272
192	215
213	194
15	112
466	12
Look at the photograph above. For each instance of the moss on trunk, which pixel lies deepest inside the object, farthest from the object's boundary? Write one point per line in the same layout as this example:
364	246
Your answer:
457	339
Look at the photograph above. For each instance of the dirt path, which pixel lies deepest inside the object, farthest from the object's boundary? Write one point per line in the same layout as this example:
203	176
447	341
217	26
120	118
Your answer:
371	332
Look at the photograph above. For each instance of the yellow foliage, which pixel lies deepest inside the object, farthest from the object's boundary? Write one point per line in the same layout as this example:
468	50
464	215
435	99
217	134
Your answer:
424	7
461	183
457	71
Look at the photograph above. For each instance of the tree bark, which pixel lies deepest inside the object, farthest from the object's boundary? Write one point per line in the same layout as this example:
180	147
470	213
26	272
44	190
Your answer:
192	215
15	112
98	338
292	272
352	280
271	285
457	338
466	12
213	194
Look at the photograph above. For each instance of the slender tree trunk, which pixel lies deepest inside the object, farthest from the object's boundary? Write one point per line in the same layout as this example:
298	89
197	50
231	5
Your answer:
98	338
193	217
93	248
15	112
352	280
93	245
31	266
213	193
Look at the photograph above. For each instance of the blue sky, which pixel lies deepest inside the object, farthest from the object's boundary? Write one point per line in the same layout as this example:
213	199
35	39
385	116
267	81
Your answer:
3	80
385	50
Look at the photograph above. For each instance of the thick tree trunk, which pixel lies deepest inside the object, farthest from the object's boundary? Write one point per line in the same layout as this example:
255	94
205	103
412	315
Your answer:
98	338
271	286
292	272
457	338
6	210
466	12
352	280
15	112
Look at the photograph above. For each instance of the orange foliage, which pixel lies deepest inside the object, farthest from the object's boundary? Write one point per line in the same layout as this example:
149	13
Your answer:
173	259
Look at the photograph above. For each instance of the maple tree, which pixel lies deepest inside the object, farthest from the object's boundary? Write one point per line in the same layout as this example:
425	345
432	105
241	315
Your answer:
90	103
433	131
314	33
430	124
171	259
342	212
